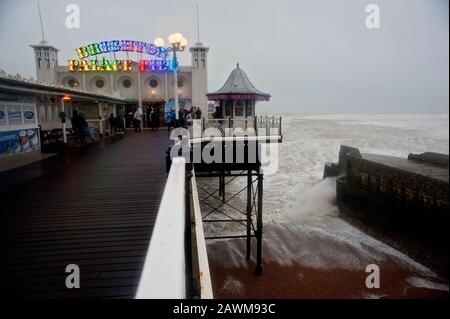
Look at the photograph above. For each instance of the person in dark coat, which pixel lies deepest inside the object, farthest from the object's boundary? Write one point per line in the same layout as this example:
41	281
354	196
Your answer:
217	113
154	116
80	125
198	113
112	124
120	124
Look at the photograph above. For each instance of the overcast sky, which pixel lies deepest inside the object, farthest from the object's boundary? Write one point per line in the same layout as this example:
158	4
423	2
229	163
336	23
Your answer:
312	55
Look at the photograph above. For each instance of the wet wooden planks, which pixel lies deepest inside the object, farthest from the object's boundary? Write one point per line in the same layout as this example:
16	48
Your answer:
96	211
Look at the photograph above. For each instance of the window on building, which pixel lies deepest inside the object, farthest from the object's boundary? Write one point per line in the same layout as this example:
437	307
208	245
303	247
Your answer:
153	83
42	118
55	113
229	108
126	83
15	114
99	83
72	83
180	83
239	110
49	113
249	108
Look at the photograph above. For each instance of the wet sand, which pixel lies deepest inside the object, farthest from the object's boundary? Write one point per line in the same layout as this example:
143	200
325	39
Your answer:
317	266
300	282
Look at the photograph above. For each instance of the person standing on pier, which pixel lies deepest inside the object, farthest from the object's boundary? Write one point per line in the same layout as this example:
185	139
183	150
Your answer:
138	120
154	117
112	124
198	113
171	119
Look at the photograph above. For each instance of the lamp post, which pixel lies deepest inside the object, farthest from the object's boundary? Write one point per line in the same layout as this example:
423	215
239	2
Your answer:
178	44
63	119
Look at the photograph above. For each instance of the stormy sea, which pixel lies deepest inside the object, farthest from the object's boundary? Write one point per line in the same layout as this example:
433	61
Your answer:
309	251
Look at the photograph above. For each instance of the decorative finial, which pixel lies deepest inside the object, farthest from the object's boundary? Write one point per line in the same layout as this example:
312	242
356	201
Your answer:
237	65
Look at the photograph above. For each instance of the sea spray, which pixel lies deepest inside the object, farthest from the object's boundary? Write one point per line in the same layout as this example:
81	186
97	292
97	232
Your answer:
316	202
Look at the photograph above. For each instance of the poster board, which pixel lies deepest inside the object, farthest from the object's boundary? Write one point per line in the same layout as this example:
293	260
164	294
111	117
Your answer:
20	141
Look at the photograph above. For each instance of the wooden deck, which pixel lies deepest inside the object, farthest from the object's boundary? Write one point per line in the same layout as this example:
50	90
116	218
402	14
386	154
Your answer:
96	211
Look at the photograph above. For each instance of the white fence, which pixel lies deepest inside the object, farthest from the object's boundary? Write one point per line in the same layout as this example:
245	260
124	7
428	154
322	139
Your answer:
164	275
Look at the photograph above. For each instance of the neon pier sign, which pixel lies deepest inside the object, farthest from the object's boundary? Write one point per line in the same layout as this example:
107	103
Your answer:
90	62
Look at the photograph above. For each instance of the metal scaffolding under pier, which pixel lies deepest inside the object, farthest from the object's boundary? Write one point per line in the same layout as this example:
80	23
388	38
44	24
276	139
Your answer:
236	157
252	215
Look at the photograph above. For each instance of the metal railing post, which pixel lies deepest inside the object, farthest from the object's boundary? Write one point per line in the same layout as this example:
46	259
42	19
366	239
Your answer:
249	212
259	226
279	133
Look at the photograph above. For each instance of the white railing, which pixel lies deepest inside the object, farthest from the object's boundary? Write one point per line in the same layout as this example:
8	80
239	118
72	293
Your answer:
258	126
206	291
164	273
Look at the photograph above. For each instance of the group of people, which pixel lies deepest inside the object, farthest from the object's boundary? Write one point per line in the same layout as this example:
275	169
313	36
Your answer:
152	119
116	124
193	113
83	131
81	127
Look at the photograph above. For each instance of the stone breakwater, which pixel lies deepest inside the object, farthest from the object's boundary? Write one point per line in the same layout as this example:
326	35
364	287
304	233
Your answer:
404	201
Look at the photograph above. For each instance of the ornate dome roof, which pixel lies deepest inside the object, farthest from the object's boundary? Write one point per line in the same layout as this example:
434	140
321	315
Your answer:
238	84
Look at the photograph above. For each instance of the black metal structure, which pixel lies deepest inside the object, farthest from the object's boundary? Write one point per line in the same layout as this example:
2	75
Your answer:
251	216
244	162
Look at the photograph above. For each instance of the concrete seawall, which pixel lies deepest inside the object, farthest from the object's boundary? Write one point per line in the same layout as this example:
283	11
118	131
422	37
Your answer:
402	201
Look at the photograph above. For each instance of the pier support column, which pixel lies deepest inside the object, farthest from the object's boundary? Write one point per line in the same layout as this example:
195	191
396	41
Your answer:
249	213
222	184
259	226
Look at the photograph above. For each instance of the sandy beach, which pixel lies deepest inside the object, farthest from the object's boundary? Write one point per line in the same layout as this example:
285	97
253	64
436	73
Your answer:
306	265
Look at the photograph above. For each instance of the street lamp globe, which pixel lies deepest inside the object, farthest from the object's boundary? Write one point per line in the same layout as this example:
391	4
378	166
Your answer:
183	43
172	39
178	37
159	42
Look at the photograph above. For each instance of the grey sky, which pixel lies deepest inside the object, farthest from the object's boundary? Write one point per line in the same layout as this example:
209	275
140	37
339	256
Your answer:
311	55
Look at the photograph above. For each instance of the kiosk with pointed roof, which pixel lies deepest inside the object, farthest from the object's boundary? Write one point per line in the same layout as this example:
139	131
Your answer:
237	97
